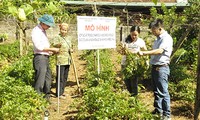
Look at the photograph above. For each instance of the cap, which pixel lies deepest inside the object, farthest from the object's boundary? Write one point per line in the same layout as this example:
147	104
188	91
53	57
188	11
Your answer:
47	19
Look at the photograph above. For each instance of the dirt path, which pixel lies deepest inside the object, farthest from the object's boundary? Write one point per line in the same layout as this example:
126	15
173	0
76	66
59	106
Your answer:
64	111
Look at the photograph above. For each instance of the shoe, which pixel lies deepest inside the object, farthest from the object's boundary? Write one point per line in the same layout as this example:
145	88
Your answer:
166	118
157	113
134	95
47	97
62	97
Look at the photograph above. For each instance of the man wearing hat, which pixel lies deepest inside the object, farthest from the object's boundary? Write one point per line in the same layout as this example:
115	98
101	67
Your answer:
42	50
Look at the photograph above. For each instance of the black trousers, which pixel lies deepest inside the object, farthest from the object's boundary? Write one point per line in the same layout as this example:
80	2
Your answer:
132	85
42	74
64	71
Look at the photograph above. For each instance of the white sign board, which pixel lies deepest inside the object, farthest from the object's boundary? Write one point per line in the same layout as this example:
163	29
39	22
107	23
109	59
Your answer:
96	32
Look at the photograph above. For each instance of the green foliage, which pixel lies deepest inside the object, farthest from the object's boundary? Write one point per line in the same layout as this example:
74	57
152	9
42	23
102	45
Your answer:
136	66
9	51
3	37
192	12
106	68
155	1
19	101
178	72
184	90
190	57
22	70
13	10
172	20
33	9
182	82
28	9
105	103
103	99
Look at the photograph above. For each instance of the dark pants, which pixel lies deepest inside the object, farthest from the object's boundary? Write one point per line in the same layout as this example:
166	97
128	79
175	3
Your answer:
42	74
132	85
64	71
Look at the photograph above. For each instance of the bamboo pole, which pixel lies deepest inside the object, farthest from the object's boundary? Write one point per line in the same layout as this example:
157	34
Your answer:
75	72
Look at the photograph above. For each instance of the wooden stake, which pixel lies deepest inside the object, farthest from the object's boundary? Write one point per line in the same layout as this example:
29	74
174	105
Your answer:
75	72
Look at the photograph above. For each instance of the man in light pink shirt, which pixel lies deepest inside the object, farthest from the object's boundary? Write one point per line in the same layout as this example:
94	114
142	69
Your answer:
42	50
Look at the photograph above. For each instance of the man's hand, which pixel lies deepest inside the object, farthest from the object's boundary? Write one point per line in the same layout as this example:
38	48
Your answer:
58	45
140	53
50	53
55	50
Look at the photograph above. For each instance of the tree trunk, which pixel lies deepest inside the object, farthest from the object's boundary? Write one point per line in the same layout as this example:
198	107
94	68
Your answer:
25	41
20	35
17	31
197	100
22	38
21	42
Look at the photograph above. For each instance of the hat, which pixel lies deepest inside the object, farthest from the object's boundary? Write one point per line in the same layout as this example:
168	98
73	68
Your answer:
47	19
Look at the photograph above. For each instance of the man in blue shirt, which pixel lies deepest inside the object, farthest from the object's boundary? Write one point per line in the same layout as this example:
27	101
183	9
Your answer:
160	59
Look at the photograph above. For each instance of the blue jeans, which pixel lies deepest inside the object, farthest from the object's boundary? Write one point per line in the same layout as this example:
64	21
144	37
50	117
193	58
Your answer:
160	76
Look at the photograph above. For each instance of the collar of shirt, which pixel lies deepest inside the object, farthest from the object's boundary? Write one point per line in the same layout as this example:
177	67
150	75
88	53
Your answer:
62	36
161	35
39	26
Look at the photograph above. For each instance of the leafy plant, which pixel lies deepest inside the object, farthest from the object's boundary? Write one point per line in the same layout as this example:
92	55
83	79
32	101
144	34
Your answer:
3	37
105	103
22	70
106	68
19	101
184	90
102	99
136	66
10	51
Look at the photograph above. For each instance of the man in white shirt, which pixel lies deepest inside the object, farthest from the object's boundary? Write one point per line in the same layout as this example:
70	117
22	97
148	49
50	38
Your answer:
42	51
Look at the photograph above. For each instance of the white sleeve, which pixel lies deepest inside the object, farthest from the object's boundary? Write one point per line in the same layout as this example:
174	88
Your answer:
36	38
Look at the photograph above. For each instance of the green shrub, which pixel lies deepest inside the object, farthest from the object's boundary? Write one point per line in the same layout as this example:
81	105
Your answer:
3	37
9	51
106	68
184	90
136	66
19	101
22	70
105	103
102	99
